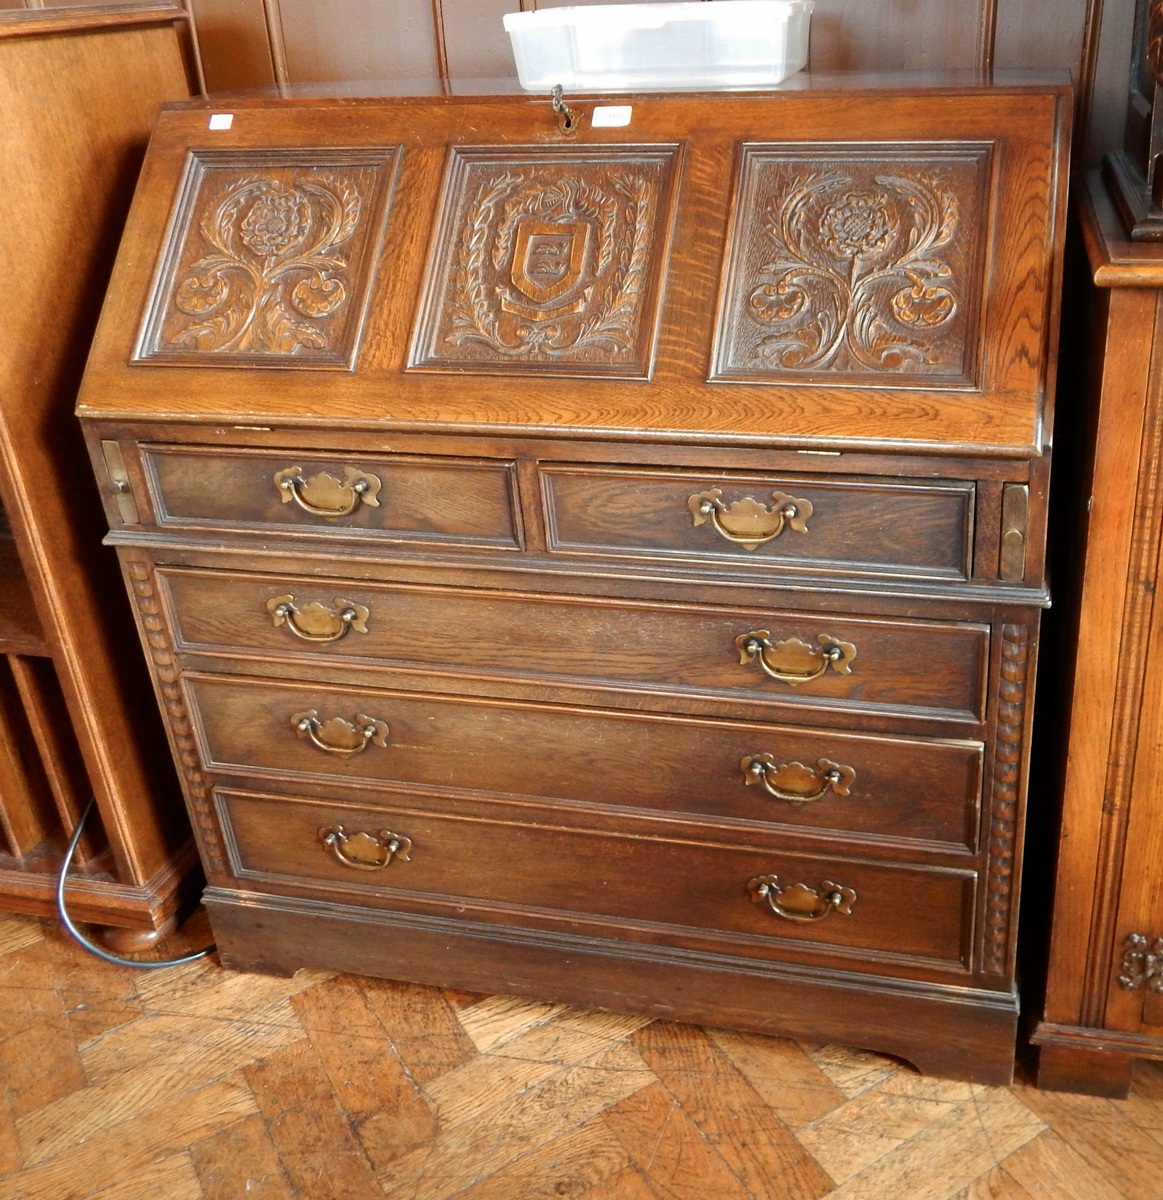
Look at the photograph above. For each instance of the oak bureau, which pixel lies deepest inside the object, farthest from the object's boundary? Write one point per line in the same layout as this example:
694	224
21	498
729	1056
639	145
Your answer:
594	550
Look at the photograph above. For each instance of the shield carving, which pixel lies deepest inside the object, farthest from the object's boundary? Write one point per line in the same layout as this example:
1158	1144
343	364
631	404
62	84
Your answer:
549	258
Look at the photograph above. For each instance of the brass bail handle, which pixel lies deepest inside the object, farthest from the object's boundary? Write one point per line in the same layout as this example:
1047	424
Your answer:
318	622
780	780
337	736
800	902
568	120
366	851
323	495
792	660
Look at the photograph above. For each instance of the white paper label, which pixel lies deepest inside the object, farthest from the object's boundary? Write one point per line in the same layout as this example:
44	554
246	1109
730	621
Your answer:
221	120
611	116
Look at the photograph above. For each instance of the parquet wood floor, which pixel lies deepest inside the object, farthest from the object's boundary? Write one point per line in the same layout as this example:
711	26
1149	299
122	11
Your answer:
195	1083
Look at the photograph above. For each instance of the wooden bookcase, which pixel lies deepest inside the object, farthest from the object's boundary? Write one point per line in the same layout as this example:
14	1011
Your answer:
79	90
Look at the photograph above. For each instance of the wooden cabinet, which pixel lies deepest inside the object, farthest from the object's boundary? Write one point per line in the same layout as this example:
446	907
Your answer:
79	92
1103	1005
604	566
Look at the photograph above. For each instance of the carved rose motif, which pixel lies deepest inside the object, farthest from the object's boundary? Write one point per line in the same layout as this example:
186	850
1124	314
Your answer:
273	272
857	223
859	279
277	221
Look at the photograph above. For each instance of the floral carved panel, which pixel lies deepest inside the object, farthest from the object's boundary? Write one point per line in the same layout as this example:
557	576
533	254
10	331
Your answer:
268	260
548	261
855	264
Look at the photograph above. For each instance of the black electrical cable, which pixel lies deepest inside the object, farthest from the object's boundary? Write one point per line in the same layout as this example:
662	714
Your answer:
80	938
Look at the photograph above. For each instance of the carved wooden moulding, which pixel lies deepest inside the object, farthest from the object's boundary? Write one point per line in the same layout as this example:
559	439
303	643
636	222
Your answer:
269	259
548	261
855	264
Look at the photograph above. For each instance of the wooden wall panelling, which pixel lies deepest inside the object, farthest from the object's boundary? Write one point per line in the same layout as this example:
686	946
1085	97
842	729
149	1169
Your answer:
895	35
69	168
252	43
476	44
1025	39
356	40
234	44
1101	79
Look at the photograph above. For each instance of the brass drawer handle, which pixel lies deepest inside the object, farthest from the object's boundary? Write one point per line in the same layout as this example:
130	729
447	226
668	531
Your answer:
325	496
792	661
795	783
365	851
340	737
749	522
799	902
316	622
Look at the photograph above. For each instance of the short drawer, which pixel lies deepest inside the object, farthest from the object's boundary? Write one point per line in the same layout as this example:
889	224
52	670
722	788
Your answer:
757	655
891	789
509	868
403	497
802	523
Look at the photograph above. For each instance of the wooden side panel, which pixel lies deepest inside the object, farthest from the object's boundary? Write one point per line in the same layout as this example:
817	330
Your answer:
1107	663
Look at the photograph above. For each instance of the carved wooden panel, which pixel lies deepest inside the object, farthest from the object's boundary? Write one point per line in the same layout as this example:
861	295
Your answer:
269	258
548	261
856	264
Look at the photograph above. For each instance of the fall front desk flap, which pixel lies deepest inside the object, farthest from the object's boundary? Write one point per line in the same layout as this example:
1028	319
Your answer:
749	267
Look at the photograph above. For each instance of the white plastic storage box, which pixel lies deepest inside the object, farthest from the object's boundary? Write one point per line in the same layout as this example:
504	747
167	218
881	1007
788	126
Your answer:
620	47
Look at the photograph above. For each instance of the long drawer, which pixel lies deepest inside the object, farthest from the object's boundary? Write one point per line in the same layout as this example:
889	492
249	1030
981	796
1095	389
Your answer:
845	526
504	867
409	499
892	789
932	666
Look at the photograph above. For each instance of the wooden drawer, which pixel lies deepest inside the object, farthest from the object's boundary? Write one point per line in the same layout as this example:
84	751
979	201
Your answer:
931	666
406	498
801	523
493	867
897	790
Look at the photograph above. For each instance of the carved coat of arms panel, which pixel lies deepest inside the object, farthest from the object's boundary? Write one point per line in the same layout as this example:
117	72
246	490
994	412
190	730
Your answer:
548	261
269	259
855	264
